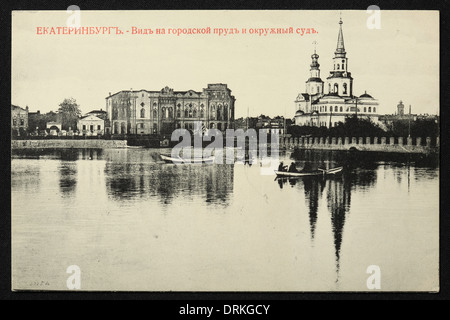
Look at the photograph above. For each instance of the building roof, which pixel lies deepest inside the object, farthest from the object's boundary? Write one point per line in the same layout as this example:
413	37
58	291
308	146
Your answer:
91	118
96	111
17	107
366	95
314	80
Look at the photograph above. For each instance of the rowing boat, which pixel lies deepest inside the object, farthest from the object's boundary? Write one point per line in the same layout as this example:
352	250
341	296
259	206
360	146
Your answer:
319	172
178	160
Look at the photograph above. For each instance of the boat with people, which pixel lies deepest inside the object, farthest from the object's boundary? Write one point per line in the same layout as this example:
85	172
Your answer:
179	160
318	172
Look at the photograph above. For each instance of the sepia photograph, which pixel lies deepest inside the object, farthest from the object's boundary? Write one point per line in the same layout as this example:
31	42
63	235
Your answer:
225	150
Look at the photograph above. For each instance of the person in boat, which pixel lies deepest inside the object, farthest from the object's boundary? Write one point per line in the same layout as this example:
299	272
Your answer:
282	167
293	168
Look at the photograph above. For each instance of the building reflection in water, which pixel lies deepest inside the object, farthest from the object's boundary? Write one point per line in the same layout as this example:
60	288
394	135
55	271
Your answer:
141	181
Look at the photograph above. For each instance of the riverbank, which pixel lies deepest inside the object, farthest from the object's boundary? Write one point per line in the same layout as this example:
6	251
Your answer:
67	144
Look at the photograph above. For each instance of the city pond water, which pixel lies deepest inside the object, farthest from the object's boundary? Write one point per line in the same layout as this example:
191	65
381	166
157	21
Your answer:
134	223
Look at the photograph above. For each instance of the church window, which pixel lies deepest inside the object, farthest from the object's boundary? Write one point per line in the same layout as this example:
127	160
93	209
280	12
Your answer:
345	88
374	109
370	109
336	88
336	109
341	109
365	109
142	113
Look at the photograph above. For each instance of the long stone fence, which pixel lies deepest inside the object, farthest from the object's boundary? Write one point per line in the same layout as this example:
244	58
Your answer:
67	144
377	144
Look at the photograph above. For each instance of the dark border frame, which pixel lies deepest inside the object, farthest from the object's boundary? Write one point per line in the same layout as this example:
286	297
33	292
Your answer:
196	297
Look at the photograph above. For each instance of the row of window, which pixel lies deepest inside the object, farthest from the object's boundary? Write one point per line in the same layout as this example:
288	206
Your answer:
188	126
91	127
22	122
167	113
336	88
323	123
341	109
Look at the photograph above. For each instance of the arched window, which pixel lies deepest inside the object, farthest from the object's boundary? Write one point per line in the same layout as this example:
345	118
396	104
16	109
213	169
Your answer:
326	108
343	67
345	88
225	112
195	113
341	109
336	109
170	113
336	88
155	114
219	112
365	109
202	112
115	113
329	88
142	113
213	112
163	110
338	67
374	109
190	111
186	112
370	109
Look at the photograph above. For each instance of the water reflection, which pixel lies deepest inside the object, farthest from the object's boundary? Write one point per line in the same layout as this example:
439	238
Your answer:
356	176
67	178
338	203
128	181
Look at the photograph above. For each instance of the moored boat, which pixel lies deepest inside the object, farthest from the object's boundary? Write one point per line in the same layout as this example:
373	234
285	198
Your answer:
178	160
319	172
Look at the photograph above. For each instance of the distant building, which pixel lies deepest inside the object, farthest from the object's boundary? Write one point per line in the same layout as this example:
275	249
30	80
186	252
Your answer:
91	125
330	103
161	112
400	116
19	120
272	124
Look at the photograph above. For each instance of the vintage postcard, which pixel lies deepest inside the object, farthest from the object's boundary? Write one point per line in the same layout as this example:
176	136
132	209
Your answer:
225	151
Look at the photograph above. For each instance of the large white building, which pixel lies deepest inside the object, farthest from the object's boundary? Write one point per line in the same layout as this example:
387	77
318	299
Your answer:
327	104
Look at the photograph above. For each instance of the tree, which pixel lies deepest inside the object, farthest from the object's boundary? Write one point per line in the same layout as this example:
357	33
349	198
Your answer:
69	112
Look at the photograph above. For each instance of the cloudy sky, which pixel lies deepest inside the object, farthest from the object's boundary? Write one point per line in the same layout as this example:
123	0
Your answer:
265	73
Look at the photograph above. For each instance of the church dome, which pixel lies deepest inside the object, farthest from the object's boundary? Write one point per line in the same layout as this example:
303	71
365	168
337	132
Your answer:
366	95
299	113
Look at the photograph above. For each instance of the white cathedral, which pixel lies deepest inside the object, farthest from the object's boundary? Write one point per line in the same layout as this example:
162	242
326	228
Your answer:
318	108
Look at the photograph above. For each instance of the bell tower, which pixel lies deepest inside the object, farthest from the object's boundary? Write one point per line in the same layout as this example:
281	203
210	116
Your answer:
314	85
340	81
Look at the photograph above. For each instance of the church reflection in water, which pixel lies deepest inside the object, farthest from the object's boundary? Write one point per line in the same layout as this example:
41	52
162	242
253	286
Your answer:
338	192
